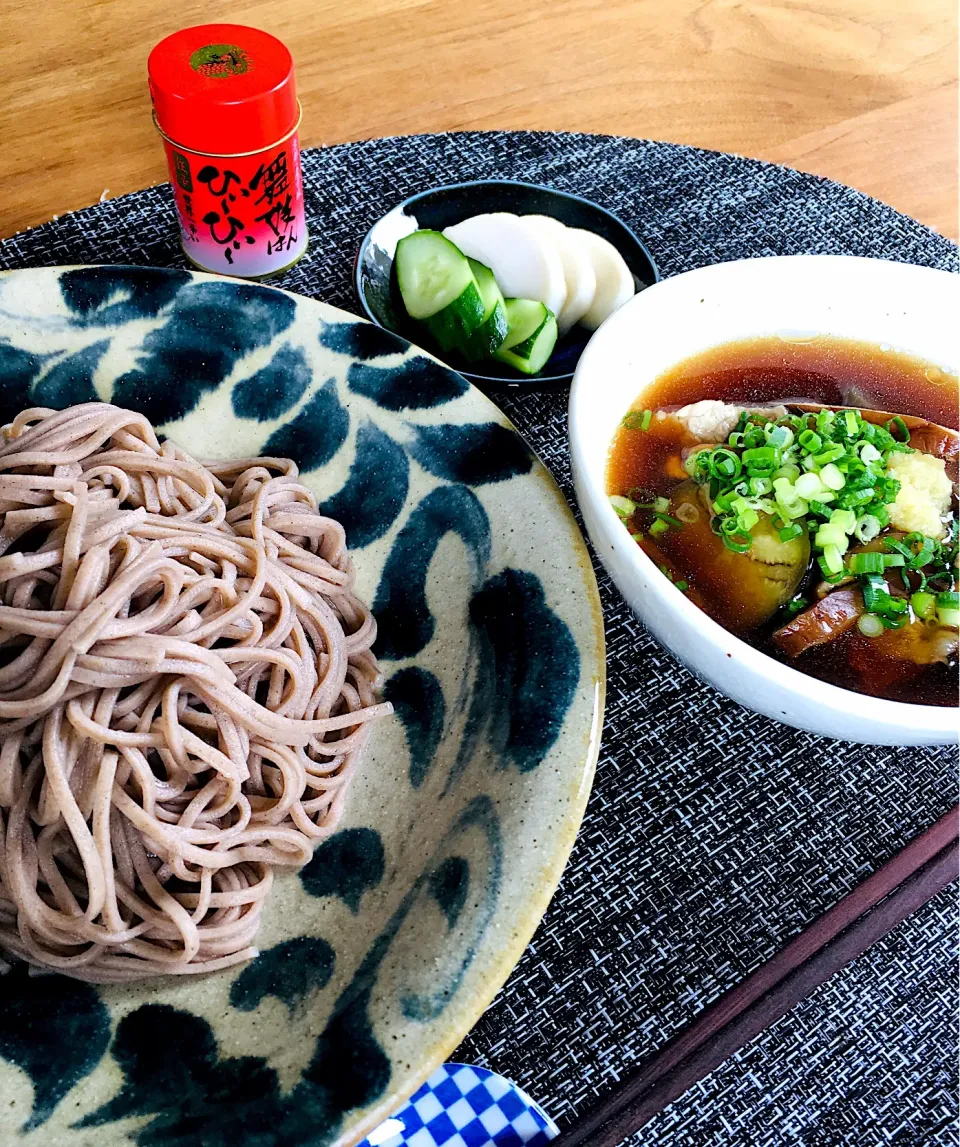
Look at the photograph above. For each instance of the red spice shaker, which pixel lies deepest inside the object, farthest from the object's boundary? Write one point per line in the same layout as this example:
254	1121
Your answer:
225	102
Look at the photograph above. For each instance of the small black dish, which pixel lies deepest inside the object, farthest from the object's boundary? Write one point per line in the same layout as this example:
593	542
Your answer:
376	282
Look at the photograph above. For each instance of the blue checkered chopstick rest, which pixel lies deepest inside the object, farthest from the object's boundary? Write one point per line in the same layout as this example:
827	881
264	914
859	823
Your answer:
462	1106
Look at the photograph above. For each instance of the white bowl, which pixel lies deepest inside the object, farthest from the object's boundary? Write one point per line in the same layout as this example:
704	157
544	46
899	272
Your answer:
912	309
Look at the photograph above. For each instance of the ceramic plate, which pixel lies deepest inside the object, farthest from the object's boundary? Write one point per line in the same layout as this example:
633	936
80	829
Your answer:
381	954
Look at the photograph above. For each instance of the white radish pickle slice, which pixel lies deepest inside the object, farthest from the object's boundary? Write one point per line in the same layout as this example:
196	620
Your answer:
524	263
615	284
578	273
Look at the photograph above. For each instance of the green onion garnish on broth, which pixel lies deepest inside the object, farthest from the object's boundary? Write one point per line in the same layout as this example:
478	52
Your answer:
897	428
949	617
795	605
870	625
623	506
823	483
637	420
924	605
870	563
826	472
682	586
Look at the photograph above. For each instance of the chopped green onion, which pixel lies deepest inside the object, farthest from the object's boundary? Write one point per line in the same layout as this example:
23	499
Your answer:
809	486
827	573
831	477
661	505
780	436
859	497
924	605
659	526
623	506
724	464
845	520
795	605
873	562
832	559
789	471
949	618
878	599
831	536
825	474
762	460
682	586
948	600
875	592
867	528
870	625
791	510
637	420
739	543
896	426
831	454
921	557
869	563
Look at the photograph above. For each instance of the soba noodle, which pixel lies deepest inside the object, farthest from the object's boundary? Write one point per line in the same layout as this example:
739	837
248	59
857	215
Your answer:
186	683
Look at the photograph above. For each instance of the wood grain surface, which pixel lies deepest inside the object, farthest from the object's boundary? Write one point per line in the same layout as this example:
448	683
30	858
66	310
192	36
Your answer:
862	91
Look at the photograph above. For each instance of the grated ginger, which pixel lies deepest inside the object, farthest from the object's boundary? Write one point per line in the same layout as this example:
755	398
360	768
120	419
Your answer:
924	494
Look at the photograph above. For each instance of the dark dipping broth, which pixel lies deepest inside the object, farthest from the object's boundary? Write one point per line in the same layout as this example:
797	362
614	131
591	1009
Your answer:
772	370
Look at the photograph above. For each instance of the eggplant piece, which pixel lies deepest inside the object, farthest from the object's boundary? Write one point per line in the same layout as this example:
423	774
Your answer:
838	612
918	643
744	590
826	620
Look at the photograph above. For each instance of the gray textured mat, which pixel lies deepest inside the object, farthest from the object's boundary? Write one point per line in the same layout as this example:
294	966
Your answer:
713	835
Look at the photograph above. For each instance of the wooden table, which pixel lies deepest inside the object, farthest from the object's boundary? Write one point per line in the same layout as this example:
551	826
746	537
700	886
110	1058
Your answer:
863	91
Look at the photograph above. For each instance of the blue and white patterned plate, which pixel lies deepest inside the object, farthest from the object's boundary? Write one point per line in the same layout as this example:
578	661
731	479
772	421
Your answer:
383	952
462	1106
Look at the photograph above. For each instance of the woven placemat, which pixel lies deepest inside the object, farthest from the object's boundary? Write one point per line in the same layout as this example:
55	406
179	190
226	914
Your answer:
713	835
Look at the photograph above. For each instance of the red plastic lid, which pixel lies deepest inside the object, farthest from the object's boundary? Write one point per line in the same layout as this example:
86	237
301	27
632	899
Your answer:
223	88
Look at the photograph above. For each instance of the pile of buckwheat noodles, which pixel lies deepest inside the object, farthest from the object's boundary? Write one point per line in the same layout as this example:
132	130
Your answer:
186	683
